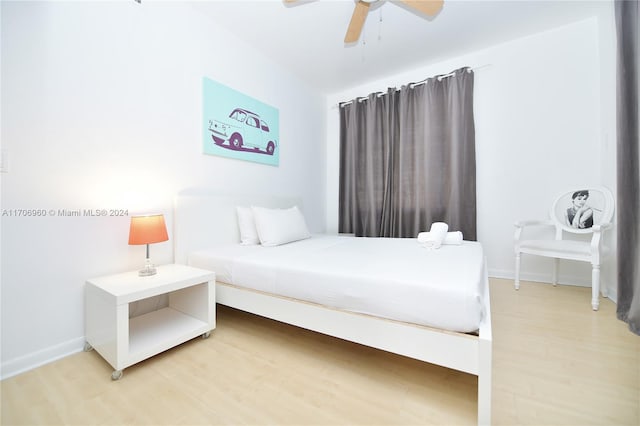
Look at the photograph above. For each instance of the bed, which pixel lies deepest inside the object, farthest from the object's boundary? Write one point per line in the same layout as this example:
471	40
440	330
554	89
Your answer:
265	281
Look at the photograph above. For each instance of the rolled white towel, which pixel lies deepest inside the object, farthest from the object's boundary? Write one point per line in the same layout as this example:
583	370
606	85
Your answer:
452	238
435	236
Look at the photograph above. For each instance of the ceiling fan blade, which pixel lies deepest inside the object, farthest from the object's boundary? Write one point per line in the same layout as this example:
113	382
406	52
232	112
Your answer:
357	22
428	7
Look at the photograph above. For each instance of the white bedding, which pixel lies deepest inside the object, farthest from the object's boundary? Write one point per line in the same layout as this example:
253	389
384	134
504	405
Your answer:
392	278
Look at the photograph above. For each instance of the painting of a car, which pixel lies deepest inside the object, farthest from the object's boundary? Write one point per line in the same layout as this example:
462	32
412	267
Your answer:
238	126
243	130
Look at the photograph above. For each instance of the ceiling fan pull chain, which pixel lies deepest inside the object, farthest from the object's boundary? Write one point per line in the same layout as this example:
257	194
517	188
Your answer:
380	25
364	45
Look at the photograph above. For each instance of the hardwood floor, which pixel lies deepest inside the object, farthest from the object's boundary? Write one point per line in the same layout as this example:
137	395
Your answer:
555	362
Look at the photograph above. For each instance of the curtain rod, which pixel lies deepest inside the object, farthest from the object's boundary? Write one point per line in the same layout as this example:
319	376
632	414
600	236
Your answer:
412	85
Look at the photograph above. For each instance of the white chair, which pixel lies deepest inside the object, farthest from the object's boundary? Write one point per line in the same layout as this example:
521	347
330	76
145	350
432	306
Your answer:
587	211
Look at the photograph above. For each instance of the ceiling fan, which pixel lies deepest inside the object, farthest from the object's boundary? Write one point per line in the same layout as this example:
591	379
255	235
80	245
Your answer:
427	7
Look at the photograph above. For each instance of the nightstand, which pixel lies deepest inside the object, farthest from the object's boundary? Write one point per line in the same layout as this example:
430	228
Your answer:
123	341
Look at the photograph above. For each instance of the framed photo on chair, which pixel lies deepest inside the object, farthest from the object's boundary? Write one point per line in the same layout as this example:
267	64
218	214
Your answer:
578	210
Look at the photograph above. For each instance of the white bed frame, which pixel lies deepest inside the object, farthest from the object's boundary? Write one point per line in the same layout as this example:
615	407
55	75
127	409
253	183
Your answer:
203	218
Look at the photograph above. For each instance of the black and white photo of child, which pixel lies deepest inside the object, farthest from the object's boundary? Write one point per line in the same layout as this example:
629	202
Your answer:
579	215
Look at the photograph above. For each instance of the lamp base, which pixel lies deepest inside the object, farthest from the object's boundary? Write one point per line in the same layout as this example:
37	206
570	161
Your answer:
148	270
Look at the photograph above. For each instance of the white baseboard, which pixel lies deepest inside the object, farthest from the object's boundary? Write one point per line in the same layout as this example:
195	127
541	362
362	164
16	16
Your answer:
611	293
540	278
41	357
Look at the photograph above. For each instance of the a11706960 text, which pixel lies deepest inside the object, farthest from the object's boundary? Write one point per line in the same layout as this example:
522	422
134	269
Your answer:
64	212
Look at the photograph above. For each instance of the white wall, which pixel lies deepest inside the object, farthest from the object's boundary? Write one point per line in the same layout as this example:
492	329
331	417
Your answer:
101	109
607	49
541	128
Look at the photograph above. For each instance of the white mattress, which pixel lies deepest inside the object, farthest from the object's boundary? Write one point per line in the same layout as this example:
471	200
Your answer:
392	278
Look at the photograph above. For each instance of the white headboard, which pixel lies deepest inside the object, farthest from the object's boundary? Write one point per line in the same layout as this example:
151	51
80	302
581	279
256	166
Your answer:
203	217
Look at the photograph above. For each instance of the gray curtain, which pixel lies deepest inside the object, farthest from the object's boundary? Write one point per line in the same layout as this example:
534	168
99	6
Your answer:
407	159
628	159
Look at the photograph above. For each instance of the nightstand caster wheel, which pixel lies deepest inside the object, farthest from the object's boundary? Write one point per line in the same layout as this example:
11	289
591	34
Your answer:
206	335
116	375
87	347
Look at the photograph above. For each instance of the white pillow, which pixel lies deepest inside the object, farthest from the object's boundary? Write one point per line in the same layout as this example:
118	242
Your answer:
247	226
279	226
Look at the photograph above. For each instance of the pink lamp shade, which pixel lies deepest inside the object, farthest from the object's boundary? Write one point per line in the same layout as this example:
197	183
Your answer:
147	229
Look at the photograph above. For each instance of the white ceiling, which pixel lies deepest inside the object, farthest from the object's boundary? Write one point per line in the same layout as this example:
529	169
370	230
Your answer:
306	37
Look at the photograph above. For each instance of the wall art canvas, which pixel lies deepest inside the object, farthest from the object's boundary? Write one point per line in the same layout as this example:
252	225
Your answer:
238	126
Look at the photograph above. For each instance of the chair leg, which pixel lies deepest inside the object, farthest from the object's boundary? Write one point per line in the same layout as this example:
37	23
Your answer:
517	282
595	287
555	271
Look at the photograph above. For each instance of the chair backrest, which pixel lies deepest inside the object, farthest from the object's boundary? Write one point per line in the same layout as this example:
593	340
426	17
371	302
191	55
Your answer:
578	210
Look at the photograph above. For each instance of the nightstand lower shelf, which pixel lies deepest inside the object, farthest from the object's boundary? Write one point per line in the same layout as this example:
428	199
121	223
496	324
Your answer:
158	331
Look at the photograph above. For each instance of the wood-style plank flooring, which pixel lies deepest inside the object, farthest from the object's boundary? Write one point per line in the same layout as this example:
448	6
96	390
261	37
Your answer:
555	362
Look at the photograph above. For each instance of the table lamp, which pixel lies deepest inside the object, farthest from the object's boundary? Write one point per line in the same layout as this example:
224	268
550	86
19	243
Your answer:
148	229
